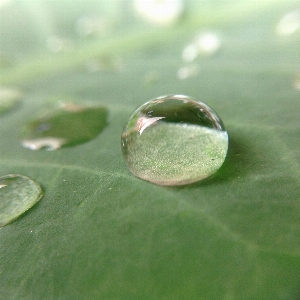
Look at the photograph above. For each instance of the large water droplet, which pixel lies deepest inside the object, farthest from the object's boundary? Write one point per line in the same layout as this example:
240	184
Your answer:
161	13
174	140
69	126
17	194
9	97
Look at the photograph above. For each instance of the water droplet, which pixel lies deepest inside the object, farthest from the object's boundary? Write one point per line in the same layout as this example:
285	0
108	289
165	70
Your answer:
161	13
289	23
17	193
4	2
92	26
174	140
204	44
9	97
103	63
188	71
70	125
150	78
296	83
57	44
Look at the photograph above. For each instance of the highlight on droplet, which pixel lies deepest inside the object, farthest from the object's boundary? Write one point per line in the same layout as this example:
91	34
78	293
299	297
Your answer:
188	71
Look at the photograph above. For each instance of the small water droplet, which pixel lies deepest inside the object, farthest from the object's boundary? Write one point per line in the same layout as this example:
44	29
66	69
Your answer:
296	82
203	44
103	63
17	193
57	44
188	71
289	23
70	125
9	97
161	13
92	26
182	142
150	78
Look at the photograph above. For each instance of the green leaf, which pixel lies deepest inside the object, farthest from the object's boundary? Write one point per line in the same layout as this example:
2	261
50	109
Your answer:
101	233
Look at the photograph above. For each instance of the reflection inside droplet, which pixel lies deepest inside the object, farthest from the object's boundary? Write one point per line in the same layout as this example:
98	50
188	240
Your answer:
70	125
289	23
162	13
17	193
49	143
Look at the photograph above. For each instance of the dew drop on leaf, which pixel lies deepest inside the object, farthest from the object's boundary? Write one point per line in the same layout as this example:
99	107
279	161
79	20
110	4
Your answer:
289	23
68	126
203	44
9	97
174	140
17	194
160	13
92	26
188	71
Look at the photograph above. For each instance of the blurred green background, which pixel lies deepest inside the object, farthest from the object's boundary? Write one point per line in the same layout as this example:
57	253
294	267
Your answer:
101	233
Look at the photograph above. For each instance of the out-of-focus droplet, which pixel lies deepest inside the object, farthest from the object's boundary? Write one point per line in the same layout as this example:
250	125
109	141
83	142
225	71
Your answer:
289	23
18	193
4	2
103	63
296	83
190	52
174	140
69	126
188	71
204	44
92	26
57	44
161	13
9	97
150	78
208	43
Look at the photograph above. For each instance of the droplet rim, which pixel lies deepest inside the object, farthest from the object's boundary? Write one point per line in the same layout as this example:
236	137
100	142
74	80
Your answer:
39	192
